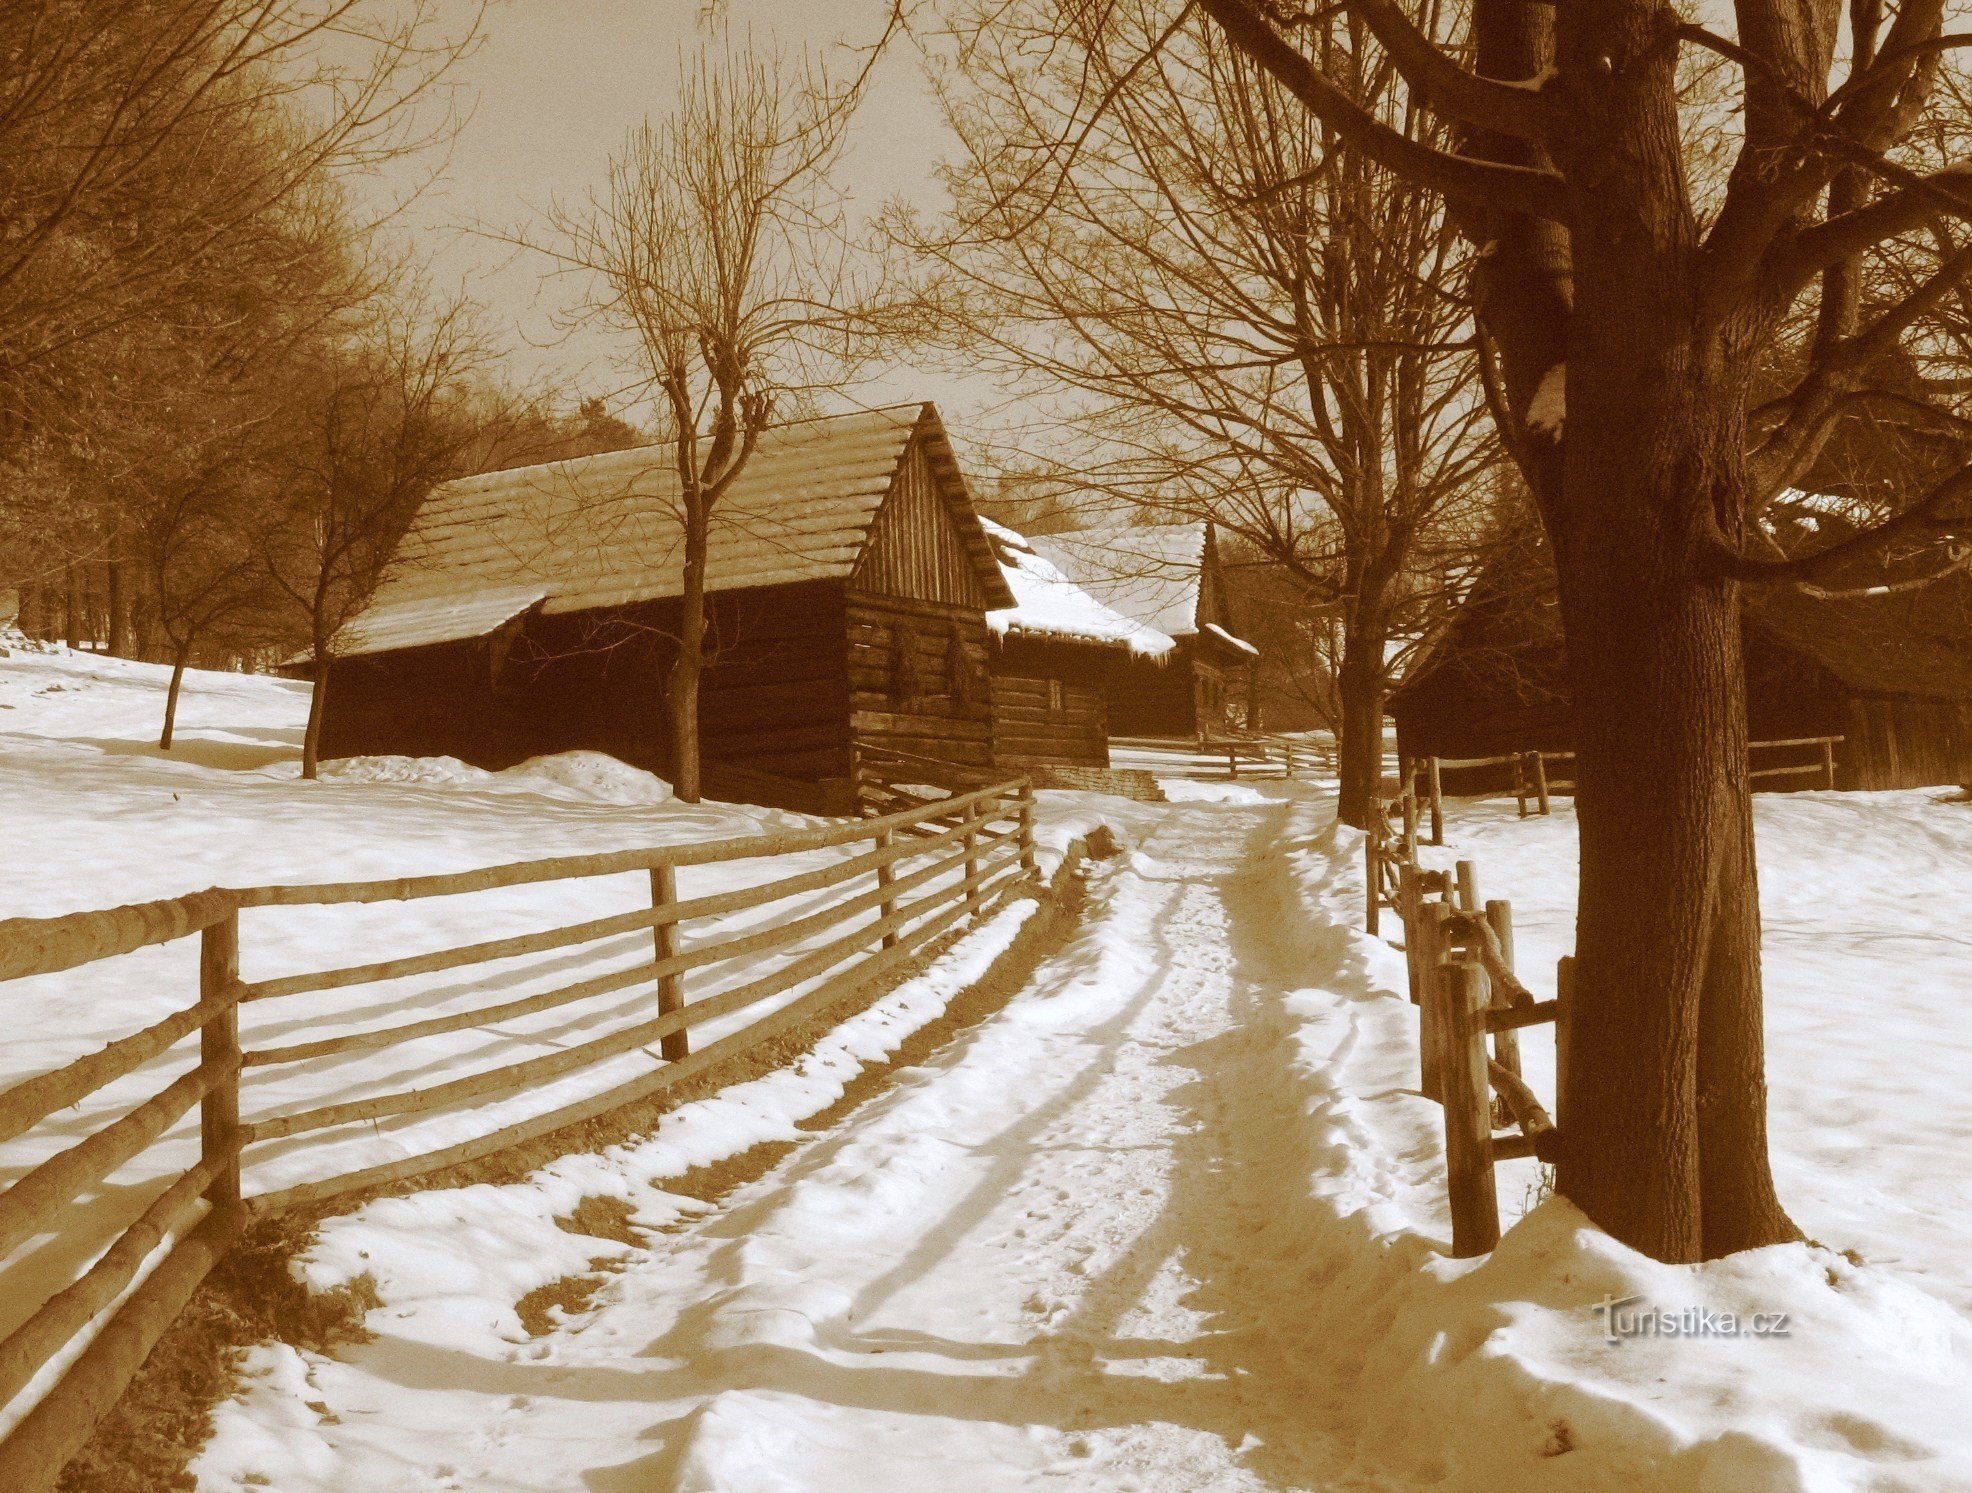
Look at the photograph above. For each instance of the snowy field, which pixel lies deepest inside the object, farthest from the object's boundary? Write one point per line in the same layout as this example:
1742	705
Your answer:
1171	1220
96	816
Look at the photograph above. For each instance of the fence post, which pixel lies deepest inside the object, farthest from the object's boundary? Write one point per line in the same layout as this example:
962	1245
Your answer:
664	936
1410	808
1828	763
1468	887
1437	803
1506	1045
1540	781
1409	902
1520	781
1372	878
1462	996
219	1054
885	874
1029	866
972	897
1564	1030
1430	940
1232	761
1290	759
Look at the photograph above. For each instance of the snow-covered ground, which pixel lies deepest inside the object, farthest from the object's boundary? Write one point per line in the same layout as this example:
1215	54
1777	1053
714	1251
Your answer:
1868	996
1173	1219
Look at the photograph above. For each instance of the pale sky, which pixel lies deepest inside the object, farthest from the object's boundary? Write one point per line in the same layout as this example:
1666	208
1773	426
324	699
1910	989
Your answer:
553	89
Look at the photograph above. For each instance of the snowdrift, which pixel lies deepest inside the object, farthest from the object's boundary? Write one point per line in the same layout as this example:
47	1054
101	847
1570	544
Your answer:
1501	1373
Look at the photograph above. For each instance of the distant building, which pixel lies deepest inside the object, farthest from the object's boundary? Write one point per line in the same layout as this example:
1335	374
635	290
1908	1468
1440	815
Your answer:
1055	652
1889	672
1169	578
535	611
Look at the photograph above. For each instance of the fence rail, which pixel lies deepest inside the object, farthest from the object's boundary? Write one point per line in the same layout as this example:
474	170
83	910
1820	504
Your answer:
1260	751
930	866
1532	783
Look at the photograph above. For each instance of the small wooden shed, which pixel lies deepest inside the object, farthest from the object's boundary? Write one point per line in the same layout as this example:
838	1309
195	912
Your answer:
1055	651
1168	577
535	611
1890	673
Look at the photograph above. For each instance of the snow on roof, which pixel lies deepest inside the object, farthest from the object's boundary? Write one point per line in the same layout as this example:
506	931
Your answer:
1049	605
607	530
417	621
1225	637
1151	574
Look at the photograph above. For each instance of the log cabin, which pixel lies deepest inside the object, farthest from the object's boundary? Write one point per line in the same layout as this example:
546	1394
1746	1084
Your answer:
1890	673
1168	577
535	610
1054	652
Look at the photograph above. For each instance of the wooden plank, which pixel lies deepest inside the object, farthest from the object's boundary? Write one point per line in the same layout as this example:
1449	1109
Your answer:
46	946
717	905
25	1206
219	1057
1512	1018
1506	1046
1462	997
615	1044
676	964
49	1435
521	873
32	1100
671	983
627	1093
75	1306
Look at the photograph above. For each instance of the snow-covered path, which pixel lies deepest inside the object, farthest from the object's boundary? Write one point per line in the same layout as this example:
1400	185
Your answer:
1047	1255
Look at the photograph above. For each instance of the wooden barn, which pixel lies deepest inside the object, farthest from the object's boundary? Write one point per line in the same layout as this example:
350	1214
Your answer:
1054	653
1891	674
1169	578
533	611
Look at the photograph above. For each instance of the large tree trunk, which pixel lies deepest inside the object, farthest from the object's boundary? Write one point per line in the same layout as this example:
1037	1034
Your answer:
681	690
178	661
311	738
1664	1120
1359	734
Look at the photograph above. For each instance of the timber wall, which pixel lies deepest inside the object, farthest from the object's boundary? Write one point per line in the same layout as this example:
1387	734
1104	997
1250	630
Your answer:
918	678
1049	705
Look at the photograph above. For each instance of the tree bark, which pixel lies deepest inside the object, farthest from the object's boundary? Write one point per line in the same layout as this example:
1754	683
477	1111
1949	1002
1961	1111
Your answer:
311	738
1666	1143
681	690
178	661
1359	736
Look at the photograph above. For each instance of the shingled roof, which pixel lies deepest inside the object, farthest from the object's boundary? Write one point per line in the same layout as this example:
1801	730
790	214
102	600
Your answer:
602	531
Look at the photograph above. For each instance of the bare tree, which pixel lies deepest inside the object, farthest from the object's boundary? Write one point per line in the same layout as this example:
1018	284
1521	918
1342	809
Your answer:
1258	329
383	421
718	243
194	541
1636	325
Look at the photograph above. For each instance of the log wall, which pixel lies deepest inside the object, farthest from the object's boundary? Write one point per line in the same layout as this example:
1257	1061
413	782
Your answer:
918	677
1049	703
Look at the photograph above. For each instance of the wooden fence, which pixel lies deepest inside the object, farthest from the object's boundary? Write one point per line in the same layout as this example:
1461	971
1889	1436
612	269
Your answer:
925	870
1534	786
1262	754
1458	954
